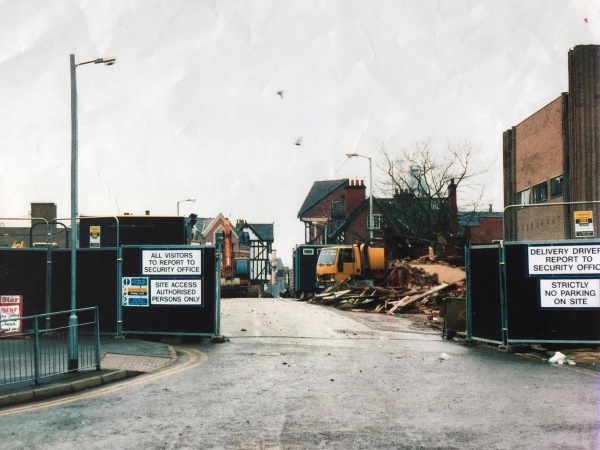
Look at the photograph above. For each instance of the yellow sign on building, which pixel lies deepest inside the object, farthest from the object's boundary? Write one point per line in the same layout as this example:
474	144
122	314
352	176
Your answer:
584	223
94	236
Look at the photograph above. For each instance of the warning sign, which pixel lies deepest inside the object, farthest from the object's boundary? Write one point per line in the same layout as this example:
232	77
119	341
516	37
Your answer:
176	292
10	311
171	262
584	224
135	291
570	293
94	237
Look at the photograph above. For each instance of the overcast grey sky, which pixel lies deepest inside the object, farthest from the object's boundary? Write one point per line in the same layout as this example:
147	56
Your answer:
191	109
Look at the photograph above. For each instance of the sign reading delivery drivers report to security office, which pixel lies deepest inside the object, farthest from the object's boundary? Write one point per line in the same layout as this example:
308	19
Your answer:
171	262
564	260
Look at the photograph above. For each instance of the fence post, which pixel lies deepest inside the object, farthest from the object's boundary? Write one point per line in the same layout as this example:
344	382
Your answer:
503	299
97	336
36	352
119	291
49	249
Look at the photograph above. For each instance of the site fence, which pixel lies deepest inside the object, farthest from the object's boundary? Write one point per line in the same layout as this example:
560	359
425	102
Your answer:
36	347
514	293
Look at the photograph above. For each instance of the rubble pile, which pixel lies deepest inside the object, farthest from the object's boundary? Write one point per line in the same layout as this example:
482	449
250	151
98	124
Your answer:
407	289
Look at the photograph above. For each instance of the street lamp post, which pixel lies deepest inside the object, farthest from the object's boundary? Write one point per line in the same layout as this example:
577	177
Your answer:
352	155
73	321
183	201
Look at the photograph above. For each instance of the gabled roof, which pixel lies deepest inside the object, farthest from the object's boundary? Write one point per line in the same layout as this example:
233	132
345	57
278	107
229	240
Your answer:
202	223
471	218
320	190
264	231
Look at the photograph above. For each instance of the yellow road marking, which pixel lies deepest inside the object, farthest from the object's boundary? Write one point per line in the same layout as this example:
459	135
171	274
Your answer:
196	358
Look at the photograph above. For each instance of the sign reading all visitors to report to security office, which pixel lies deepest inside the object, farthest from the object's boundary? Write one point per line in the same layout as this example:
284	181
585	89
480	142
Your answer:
135	291
570	293
564	259
584	224
176	292
171	262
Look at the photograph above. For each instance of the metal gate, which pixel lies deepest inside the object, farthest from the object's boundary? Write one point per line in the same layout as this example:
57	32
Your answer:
42	277
170	290
485	319
534	292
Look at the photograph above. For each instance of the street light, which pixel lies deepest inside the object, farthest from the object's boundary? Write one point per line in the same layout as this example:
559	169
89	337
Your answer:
352	155
73	360
183	201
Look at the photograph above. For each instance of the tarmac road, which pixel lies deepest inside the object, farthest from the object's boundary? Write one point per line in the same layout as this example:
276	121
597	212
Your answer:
301	376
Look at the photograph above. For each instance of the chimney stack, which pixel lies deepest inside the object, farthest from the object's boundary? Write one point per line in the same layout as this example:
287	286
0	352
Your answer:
354	194
452	207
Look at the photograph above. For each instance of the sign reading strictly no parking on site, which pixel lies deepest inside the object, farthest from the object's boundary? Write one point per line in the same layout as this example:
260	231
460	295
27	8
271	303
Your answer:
570	293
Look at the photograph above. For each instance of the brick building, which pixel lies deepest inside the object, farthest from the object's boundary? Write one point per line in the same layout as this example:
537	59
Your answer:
480	227
552	157
207	230
337	212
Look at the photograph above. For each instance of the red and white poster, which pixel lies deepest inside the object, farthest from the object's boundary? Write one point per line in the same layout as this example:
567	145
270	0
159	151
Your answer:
10	311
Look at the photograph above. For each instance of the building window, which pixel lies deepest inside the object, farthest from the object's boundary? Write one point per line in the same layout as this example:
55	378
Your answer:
540	192
556	186
377	222
523	197
346	255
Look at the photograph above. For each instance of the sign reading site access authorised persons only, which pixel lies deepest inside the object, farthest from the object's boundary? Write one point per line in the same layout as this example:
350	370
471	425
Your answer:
176	292
570	293
564	259
171	262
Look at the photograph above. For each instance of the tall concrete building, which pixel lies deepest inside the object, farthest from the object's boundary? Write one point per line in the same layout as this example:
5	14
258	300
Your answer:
553	157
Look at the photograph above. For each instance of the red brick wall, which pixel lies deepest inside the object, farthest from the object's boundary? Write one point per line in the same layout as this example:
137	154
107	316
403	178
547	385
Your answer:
539	154
322	210
358	229
488	230
539	157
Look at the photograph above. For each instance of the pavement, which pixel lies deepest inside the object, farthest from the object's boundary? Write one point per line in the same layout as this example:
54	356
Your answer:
120	359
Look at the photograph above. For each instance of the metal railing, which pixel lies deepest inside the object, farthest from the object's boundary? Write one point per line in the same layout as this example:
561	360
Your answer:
36	352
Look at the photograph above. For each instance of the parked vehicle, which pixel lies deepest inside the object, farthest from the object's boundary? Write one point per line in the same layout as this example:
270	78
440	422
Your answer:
362	261
305	269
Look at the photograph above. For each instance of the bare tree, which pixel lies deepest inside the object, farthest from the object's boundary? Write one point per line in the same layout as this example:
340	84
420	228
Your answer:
419	181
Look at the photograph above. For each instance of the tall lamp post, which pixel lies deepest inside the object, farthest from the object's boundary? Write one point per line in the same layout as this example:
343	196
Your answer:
73	321
352	155
183	201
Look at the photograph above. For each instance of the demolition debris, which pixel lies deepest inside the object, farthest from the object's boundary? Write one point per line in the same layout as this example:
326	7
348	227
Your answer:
407	289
